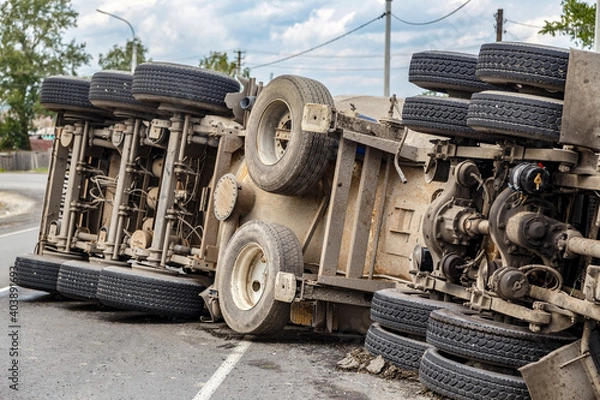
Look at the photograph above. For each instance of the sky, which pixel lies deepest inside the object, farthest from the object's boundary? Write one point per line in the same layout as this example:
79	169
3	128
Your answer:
185	31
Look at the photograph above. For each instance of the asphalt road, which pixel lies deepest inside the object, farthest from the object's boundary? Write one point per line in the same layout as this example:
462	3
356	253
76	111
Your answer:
51	349
21	199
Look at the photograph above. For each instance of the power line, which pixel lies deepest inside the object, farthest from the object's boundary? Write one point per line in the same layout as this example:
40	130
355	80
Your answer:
515	36
295	67
435	20
322	44
332	55
523	24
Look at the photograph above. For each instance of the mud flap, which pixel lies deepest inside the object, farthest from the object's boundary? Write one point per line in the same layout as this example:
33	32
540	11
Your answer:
211	303
563	374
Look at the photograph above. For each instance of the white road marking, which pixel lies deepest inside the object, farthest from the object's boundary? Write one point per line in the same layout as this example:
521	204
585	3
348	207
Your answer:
18	232
220	374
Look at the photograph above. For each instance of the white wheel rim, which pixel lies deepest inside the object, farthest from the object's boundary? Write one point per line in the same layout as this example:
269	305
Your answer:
249	277
274	132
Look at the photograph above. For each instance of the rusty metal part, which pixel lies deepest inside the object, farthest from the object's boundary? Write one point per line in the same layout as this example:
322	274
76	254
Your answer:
564	373
443	149
467	173
563	300
67	226
167	192
575	244
141	239
452	222
232	197
54	186
544	236
508	204
580	121
591	285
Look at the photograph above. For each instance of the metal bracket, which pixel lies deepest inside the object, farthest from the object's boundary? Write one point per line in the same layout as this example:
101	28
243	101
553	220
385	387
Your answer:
285	287
591	286
442	149
211	301
317	118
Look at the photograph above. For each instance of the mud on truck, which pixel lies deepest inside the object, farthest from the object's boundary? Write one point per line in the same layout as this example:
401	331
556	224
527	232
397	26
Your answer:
459	232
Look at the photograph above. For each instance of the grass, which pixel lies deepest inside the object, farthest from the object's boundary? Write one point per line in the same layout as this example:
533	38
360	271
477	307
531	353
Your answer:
41	170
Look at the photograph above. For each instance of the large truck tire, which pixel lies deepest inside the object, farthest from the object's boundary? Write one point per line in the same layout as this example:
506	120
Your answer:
281	157
529	64
246	277
68	94
469	335
197	89
457	380
446	72
405	311
79	280
445	116
111	90
152	292
516	115
403	352
38	272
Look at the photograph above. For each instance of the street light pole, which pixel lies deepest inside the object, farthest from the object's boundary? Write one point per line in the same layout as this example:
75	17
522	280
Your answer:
133	46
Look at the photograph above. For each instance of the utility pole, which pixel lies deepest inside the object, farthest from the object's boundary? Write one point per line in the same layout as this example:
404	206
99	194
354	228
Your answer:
386	67
238	64
499	24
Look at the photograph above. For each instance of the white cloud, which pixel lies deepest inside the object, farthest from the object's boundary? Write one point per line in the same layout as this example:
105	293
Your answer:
322	24
184	31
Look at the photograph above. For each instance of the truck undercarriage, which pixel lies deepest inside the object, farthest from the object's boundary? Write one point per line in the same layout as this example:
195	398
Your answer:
470	220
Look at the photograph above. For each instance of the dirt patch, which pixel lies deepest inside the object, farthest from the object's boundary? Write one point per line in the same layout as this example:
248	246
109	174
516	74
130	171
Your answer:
12	203
361	360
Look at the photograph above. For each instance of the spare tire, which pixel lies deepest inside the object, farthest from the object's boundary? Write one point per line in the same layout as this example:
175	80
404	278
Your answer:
281	157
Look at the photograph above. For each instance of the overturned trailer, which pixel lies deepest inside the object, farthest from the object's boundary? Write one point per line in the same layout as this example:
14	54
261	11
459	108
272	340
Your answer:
167	188
173	192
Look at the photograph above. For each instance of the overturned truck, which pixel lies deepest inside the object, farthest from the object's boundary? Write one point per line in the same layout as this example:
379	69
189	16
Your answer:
465	226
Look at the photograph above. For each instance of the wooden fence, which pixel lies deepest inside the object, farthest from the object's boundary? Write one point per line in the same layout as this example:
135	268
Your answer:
24	160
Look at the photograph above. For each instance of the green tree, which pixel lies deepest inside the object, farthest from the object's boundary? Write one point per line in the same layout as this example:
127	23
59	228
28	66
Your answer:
218	61
31	48
577	21
119	58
